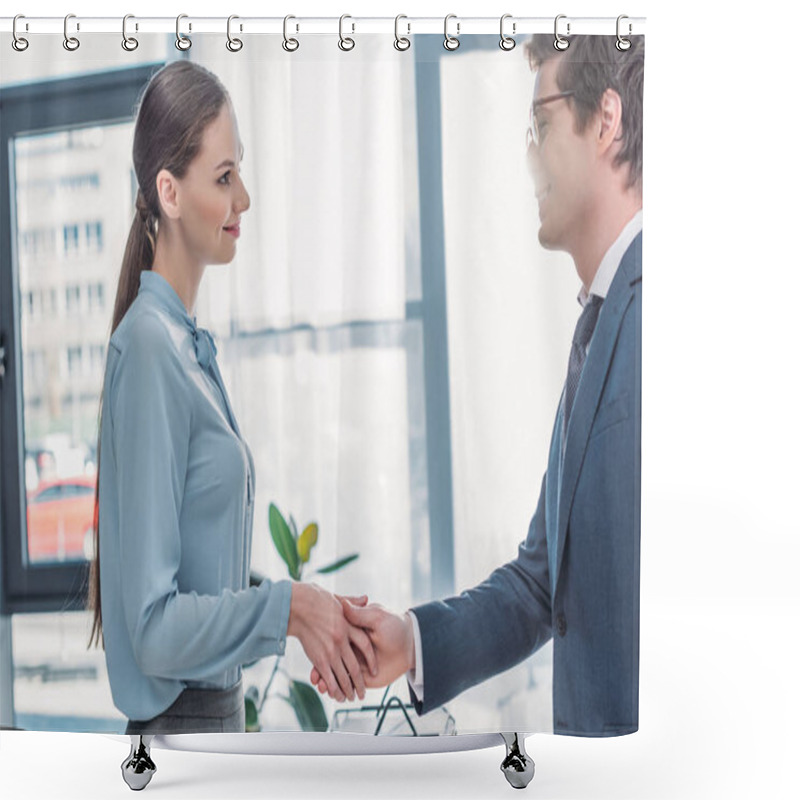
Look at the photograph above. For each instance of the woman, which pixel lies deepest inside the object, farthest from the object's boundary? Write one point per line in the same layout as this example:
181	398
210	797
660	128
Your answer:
170	580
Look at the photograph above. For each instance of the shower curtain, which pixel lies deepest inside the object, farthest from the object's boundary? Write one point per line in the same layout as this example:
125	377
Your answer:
430	335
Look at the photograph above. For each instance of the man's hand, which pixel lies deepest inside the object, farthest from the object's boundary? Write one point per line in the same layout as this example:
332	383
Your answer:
392	636
316	618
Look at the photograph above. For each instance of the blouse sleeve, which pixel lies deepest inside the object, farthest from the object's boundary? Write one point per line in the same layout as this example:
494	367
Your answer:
173	634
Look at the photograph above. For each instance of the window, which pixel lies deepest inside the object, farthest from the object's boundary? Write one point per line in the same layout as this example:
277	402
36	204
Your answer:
73	299
48	495
74	361
70	240
44	127
70	490
74	183
95	294
94	236
97	359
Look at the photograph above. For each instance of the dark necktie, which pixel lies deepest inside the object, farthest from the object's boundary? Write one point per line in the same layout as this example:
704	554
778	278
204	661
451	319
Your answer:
577	355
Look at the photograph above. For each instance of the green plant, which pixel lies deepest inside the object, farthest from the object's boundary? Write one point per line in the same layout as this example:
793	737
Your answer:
295	550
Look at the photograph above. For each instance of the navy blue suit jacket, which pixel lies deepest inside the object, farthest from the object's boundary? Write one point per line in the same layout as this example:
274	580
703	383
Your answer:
576	575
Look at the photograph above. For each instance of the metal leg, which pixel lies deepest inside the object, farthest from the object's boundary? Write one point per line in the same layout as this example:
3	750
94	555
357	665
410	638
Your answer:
138	768
518	766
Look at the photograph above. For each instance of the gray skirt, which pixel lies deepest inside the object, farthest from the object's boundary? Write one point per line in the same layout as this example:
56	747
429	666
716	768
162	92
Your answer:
197	711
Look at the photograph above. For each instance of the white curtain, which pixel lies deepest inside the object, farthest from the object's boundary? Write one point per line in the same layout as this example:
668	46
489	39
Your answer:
310	316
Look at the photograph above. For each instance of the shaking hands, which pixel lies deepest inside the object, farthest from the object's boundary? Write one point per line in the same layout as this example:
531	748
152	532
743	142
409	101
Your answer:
390	639
341	652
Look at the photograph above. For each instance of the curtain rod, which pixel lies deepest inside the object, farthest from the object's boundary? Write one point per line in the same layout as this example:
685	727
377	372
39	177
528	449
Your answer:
456	26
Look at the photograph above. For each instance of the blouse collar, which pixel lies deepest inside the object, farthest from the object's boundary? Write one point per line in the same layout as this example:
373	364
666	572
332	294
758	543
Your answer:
159	287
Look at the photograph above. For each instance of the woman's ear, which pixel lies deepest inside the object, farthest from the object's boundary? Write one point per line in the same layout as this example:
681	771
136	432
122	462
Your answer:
168	194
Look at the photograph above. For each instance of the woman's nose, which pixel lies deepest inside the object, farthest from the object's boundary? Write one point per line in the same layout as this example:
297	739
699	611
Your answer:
243	199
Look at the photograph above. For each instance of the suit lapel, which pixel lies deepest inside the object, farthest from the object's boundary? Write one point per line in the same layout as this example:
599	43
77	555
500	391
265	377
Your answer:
591	385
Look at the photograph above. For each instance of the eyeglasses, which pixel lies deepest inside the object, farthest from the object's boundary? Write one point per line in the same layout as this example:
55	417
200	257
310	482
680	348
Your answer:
533	134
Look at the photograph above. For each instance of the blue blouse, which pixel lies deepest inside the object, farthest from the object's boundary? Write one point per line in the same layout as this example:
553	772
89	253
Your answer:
176	515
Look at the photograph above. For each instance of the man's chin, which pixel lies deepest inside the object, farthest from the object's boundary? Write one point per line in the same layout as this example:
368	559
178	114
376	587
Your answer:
547	240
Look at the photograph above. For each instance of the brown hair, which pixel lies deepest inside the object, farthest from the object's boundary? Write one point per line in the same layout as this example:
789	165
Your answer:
589	66
176	106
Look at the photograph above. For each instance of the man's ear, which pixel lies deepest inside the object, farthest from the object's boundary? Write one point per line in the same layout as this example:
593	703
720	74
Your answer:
168	194
610	120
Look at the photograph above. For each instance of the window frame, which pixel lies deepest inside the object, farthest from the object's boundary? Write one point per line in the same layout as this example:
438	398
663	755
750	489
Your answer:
92	99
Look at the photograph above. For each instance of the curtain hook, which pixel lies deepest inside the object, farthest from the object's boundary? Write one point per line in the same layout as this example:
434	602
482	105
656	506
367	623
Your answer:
507	43
70	42
289	45
561	43
181	42
346	43
623	43
129	43
19	43
451	42
233	44
401	42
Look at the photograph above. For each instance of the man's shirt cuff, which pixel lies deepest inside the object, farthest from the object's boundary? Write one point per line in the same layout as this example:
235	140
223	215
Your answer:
414	676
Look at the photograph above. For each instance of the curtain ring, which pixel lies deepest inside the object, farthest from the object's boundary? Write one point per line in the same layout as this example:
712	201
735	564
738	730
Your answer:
507	43
623	43
560	42
451	42
401	43
70	42
345	42
19	43
233	44
181	42
129	43
289	45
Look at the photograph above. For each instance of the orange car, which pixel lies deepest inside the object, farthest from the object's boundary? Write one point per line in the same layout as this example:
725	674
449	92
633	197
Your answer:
60	516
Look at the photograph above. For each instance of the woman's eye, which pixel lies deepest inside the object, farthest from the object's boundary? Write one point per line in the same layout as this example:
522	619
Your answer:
226	178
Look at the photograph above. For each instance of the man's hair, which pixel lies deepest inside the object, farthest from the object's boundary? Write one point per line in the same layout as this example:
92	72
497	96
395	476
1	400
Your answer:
589	66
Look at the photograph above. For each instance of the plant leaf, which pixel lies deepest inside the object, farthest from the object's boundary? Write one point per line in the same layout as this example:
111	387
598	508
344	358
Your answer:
284	541
308	538
293	526
308	708
251	723
342	562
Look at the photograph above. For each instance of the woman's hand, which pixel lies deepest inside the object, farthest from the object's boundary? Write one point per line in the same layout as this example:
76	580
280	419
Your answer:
392	636
317	619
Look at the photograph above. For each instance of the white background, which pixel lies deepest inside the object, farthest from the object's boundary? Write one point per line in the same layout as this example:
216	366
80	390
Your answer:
720	534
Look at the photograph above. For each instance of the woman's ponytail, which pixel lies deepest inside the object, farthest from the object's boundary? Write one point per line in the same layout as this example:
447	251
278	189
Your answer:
179	102
139	252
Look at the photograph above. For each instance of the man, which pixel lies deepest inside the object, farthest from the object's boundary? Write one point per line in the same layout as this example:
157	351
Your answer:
576	575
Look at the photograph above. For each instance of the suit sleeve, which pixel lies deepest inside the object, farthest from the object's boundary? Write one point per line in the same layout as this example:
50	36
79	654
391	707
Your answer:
173	634
489	628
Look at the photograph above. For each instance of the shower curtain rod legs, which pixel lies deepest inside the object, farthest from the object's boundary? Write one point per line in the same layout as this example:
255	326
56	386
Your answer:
517	766
138	768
